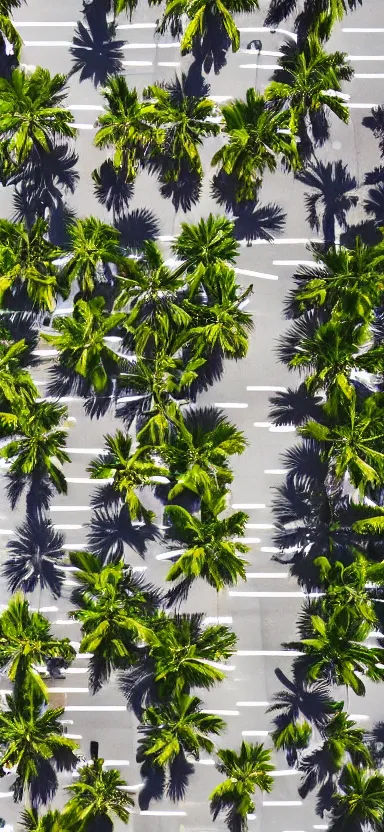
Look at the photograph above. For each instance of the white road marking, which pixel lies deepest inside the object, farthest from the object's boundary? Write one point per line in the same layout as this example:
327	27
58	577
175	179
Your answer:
361	106
275	471
95	708
66	527
282	802
373	75
137	63
259	66
268	29
268	575
246	540
70	508
168	63
233	405
359	716
6	532
247	506
322	825
292	653
293	262
219	712
79	126
159	813
93	108
116	763
259	526
255	733
365	58
262	424
262	275
205	762
271	549
136	26
87	480
282	429
266	388
234	593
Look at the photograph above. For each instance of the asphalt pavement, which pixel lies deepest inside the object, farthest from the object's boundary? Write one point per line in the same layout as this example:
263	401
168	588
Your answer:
264	610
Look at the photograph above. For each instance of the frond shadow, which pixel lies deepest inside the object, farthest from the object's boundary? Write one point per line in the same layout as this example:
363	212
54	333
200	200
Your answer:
135	228
95	52
112	189
111	529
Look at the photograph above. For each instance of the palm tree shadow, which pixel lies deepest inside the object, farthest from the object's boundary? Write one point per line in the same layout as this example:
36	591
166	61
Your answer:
333	195
135	228
38	492
367	230
156	783
253	221
210	51
295	407
375	741
96	55
111	529
35	557
375	122
23	325
112	189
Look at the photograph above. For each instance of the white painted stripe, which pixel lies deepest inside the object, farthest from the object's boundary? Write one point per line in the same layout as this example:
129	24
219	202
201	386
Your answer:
137	63
255	733
65	527
270	549
365	58
267	29
136	26
282	429
94	708
70	508
250	704
87	480
159	813
361	106
6	532
262	275
116	763
293	262
92	108
259	66
282	802
84	126
170	554
275	471
219	712
260	526
64	622
268	575
205	762
286	772
266	388
233	405
45	353
262	425
292	653
288	241
246	540
239	594
322	825
168	63
247	506
363	717
373	75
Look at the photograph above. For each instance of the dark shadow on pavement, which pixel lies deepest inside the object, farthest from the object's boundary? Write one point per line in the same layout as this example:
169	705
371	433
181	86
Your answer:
139	225
111	528
96	54
112	189
333	194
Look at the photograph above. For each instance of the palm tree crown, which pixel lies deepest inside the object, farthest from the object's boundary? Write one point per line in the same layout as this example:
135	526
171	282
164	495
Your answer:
31	115
246	770
96	798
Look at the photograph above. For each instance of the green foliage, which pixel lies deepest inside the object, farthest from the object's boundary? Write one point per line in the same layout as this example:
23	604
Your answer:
26	641
205	16
257	135
359	801
81	344
97	796
27	260
31	115
246	771
93	246
179	727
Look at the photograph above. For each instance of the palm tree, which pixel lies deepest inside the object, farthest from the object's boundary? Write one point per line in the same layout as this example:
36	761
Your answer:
16	385
188	655
31	822
245	771
98	796
153	297
27	260
183	121
348	592
211	243
38	449
26	641
360	803
81	345
8	30
125	127
257	135
354	442
221	323
177	728
342	741
318	17
336	652
131	470
333	194
312	82
93	247
211	544
32	736
329	351
34	557
205	16
345	281
114	612
197	455
31	115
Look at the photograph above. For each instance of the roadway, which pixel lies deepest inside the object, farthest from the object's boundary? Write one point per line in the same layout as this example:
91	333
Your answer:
266	617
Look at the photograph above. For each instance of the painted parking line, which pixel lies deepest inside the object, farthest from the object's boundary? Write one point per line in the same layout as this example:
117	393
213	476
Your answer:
261	275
